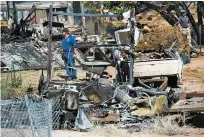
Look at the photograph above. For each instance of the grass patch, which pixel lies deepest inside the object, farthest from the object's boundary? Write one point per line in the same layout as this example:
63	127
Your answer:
29	77
166	126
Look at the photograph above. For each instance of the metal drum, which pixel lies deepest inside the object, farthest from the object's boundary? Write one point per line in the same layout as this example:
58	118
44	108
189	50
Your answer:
72	99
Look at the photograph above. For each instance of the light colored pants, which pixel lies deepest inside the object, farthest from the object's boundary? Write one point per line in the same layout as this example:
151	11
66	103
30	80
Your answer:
187	32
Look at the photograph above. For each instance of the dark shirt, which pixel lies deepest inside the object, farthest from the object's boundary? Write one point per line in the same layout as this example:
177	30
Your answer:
183	21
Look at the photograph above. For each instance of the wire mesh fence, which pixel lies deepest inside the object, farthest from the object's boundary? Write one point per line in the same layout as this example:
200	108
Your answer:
26	118
56	113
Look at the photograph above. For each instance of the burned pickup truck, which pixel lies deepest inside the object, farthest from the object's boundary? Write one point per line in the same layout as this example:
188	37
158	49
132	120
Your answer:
149	68
148	72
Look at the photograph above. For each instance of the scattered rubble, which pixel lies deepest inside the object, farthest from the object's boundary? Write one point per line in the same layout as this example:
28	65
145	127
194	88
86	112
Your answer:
131	99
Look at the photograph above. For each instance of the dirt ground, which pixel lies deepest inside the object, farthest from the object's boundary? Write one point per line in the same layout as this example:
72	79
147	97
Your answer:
64	133
193	75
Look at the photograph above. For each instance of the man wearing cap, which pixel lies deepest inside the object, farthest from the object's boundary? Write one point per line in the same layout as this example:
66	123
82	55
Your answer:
68	45
184	26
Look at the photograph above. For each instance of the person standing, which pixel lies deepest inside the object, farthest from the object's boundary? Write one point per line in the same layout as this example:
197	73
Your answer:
69	51
184	26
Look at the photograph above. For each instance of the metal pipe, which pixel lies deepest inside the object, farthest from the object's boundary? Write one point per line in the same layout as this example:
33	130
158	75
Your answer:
49	57
132	49
82	11
14	13
35	16
200	36
8	12
85	14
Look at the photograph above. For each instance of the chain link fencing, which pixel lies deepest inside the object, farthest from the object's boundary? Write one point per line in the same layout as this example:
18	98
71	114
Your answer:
56	113
26	118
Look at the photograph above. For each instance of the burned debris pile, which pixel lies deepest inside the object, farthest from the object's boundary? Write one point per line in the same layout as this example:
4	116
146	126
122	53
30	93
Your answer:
147	68
103	101
24	56
119	100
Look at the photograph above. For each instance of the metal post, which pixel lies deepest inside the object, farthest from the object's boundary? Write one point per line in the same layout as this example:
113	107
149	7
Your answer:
14	14
8	11
29	114
200	22
132	49
35	16
49	57
82	11
86	14
200	36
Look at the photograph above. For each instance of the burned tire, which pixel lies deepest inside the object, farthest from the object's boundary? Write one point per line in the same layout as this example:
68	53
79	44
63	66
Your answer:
173	81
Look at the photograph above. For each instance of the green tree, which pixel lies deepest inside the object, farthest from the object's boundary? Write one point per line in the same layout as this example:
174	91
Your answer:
116	7
92	5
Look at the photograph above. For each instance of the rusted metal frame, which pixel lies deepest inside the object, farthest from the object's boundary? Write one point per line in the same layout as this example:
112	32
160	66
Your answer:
184	96
194	94
110	118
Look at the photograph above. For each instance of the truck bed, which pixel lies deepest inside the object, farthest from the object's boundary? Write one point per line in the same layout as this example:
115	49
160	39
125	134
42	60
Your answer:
159	67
